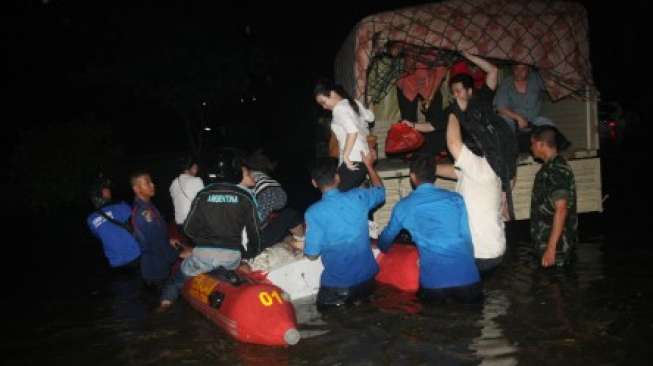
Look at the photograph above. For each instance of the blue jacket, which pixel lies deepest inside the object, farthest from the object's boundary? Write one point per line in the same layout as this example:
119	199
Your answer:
437	222
119	245
151	231
337	229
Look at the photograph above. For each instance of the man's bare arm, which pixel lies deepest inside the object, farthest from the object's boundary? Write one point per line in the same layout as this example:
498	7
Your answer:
489	68
559	217
369	159
508	113
424	127
420	126
454	136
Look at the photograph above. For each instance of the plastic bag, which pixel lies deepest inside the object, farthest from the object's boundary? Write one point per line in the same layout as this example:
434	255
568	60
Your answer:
402	139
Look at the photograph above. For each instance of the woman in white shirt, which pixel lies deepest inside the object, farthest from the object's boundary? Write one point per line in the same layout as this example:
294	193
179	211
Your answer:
184	188
350	126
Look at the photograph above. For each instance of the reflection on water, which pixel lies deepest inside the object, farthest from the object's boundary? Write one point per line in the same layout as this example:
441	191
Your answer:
309	320
553	294
586	314
492	347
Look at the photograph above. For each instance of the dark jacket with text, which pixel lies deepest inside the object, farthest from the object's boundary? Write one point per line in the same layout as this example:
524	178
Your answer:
219	215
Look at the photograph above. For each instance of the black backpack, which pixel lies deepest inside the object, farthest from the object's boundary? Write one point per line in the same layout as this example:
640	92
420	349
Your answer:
486	134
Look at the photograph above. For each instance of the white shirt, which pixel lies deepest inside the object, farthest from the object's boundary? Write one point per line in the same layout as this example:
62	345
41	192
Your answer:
346	121
481	190
183	190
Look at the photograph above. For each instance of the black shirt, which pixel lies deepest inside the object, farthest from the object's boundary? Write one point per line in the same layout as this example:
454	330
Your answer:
486	134
219	214
435	141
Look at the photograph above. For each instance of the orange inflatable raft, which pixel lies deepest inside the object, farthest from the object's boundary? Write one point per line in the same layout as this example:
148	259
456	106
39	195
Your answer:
250	312
253	307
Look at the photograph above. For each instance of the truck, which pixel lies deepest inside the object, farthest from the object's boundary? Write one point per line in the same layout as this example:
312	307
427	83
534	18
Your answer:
550	36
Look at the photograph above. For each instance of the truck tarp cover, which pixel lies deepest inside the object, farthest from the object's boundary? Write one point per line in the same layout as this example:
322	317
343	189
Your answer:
550	35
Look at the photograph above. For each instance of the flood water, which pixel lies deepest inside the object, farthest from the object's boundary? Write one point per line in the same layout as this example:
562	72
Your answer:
597	311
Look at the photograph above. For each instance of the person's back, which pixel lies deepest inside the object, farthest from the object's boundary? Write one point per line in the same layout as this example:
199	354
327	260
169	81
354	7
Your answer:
219	217
484	150
183	190
270	196
109	223
481	187
487	136
277	220
119	245
338	229
219	214
437	222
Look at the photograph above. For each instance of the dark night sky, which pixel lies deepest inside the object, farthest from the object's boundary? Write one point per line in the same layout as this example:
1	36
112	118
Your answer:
105	64
81	59
76	60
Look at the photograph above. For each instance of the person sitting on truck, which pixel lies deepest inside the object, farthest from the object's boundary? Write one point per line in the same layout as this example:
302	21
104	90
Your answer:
337	230
519	99
421	87
433	129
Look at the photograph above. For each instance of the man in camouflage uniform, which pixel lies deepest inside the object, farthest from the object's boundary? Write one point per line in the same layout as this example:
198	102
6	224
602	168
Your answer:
554	222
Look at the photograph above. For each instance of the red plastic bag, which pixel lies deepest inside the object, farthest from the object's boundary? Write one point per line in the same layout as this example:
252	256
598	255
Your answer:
402	138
